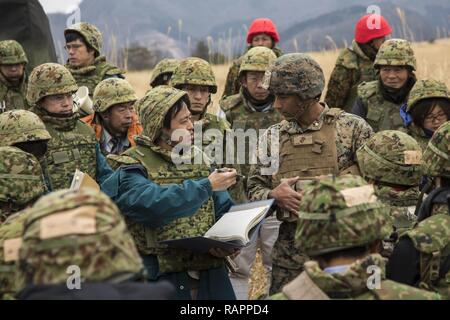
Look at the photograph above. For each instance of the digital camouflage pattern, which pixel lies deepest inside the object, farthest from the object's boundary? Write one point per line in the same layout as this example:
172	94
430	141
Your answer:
232	83
436	157
396	52
295	73
82	228
256	59
21	126
49	79
112	91
11	52
165	68
391	157
21	180
194	71
352	67
352	284
90	33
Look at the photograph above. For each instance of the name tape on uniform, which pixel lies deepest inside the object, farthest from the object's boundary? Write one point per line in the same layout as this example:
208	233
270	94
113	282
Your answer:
359	195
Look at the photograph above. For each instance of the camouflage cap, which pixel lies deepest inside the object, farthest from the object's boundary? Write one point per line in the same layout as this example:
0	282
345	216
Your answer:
426	89
295	73
90	33
112	91
11	52
194	71
257	59
81	228
395	52
48	79
339	213
21	126
21	178
436	157
391	156
154	106
165	66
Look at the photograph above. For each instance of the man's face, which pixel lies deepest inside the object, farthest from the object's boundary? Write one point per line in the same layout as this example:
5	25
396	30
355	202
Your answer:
61	104
289	106
119	118
182	121
79	55
394	76
198	97
262	40
252	82
377	42
12	72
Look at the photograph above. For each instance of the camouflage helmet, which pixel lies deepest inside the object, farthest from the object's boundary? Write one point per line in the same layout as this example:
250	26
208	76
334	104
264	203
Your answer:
90	33
76	227
11	52
48	79
295	73
194	71
164	67
154	106
436	157
21	126
112	91
391	156
257	59
21	179
426	89
338	213
395	52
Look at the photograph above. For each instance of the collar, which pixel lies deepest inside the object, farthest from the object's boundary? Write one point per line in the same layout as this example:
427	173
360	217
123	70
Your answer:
87	69
292	127
357	49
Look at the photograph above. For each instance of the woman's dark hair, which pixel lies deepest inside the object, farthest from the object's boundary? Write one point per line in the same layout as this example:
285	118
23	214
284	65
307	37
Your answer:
72	36
173	111
423	108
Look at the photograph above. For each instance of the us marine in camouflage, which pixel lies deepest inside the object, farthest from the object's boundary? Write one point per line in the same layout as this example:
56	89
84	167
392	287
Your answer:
162	198
422	256
114	121
163	71
428	108
340	226
262	33
252	109
13	79
84	43
355	65
73	144
380	101
314	140
391	160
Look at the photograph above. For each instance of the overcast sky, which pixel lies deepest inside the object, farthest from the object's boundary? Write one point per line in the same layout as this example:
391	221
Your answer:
64	6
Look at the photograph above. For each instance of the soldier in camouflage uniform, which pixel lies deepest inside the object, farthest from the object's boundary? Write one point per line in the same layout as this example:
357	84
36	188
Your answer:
262	33
13	79
340	226
314	140
115	121
380	101
84	45
428	108
422	256
252	109
73	144
355	65
163	71
163	199
391	160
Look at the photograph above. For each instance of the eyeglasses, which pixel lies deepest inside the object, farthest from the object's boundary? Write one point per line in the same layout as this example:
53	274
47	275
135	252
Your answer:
441	116
72	46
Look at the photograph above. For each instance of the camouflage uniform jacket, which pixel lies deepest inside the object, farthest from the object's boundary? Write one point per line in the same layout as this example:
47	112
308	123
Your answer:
418	134
13	96
352	132
232	83
352	284
352	67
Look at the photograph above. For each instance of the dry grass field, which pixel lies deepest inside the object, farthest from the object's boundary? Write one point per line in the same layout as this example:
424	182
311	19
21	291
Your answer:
433	61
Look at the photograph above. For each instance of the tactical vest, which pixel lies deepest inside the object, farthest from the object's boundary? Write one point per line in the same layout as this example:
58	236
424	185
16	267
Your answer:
70	150
13	98
308	155
381	114
91	76
163	172
431	237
